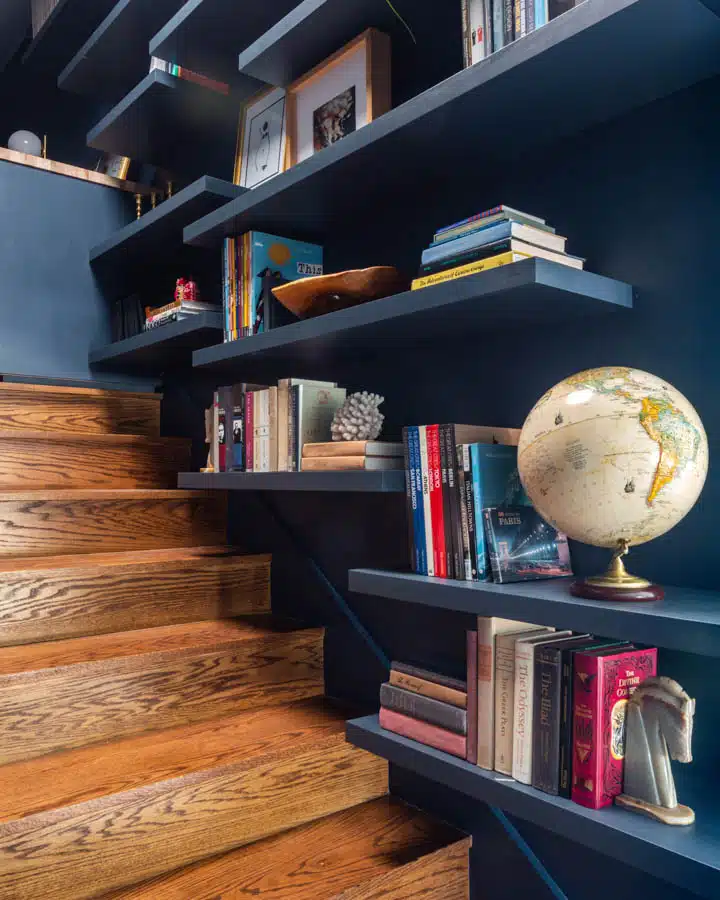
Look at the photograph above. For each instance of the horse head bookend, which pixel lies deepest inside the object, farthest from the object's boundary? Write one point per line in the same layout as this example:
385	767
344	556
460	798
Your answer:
658	727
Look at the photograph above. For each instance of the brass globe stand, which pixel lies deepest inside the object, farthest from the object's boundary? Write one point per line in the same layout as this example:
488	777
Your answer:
617	583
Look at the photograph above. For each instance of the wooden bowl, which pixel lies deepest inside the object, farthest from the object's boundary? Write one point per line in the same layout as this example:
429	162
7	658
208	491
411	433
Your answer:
308	297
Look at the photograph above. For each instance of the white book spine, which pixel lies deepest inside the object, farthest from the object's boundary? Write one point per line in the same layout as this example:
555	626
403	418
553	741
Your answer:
486	692
523	711
504	706
425	474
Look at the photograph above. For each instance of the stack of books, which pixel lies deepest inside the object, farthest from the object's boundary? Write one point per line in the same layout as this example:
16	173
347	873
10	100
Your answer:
264	428
495	237
427	707
188	75
253	263
470	518
541	706
370	456
175	312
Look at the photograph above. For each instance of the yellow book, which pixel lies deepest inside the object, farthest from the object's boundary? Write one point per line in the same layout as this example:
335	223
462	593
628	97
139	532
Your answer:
480	265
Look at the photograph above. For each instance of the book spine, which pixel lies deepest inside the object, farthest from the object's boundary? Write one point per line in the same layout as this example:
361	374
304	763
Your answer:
433	711
546	716
504	707
566	724
436	501
464	532
429	689
529	16
519	18
418	504
469	501
458	550
472	694
480	547
238	461
486	692
508	21
586	731
226	411
410	502
435	677
250	431
467	60
272	419
498	25
424	733
523	712
448	526
225	291
292	415
215	448
425	477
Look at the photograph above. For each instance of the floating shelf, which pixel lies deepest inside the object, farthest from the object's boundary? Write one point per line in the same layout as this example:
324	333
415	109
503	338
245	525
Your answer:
687	857
158	233
340	482
207	35
686	620
162	348
439	139
172	123
114	58
525	292
67	26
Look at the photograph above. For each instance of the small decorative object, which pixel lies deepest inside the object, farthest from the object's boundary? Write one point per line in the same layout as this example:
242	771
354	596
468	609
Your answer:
139	205
114	166
153	199
613	457
262	135
25	142
44	147
343	93
169	190
658	727
359	418
186	291
322	294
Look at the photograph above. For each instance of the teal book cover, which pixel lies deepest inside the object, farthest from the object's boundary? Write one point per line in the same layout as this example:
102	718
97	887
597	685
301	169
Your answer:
284	258
496	482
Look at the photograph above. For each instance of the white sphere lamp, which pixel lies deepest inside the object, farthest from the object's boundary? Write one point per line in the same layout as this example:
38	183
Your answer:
25	142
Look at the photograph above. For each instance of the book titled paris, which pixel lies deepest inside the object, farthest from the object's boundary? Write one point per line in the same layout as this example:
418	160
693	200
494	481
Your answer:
523	547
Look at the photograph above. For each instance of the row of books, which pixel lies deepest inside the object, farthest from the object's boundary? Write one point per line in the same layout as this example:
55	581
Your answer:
252	264
175	312
544	707
264	428
369	456
490	25
495	237
188	75
469	516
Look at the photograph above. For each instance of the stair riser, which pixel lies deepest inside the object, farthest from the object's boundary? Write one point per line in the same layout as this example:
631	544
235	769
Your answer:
56	527
95	847
75	705
74	602
42	410
57	464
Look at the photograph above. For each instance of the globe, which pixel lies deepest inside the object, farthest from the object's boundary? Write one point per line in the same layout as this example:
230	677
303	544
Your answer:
613	457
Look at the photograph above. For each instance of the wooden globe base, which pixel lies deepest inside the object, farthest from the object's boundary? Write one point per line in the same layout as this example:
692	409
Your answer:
617	584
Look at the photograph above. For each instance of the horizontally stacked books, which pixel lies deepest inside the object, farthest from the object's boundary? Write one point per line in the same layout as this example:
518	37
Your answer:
169	68
184	306
544	707
470	518
252	264
496	237
264	428
368	456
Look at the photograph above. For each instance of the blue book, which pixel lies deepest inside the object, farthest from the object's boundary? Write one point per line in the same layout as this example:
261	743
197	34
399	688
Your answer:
418	508
288	258
497	232
496	482
541	13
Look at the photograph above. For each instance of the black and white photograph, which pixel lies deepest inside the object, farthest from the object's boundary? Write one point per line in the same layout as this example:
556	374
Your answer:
334	120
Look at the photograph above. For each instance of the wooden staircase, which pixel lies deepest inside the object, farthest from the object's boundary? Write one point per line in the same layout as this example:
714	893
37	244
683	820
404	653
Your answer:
161	735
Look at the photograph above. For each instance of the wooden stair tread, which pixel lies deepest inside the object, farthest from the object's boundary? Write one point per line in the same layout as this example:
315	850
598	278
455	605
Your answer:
76	776
372	848
204	636
79	437
121	558
19	387
81	494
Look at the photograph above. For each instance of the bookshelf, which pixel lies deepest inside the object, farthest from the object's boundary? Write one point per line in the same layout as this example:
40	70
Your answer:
524	90
340	482
687	857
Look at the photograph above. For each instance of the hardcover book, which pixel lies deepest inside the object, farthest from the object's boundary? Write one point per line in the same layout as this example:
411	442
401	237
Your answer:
522	546
427	709
436	677
437	512
427	512
424	732
357	463
411	435
429	689
603	681
491	233
510	245
352	448
471	644
474	268
316	407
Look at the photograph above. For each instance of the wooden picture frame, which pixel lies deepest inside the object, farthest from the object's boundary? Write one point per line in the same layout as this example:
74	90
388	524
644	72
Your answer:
268	108
366	62
114	166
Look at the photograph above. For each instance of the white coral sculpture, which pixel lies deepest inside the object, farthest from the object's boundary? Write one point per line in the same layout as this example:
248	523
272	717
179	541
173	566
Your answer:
359	418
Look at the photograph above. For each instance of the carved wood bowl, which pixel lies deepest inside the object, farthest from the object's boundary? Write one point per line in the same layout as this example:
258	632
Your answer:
309	297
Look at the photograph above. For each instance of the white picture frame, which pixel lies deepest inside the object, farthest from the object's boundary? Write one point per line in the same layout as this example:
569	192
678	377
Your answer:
262	139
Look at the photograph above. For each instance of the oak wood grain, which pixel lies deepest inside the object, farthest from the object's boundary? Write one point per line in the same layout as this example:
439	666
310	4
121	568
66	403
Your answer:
67	694
42	459
45	523
380	849
52	598
68	171
68	410
80	851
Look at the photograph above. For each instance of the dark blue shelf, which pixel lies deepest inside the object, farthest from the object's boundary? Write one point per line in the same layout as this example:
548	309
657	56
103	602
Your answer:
339	482
520	294
114	58
68	25
438	139
686	620
687	857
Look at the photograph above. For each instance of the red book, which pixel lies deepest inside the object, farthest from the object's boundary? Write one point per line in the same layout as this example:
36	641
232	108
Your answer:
424	733
249	432
602	682
437	513
472	697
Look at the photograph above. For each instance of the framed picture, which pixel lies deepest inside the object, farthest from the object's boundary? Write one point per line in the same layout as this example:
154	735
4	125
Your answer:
261	139
339	96
115	166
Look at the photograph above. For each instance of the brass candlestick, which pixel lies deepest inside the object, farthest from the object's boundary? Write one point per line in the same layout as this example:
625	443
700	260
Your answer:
138	205
44	147
169	189
153	199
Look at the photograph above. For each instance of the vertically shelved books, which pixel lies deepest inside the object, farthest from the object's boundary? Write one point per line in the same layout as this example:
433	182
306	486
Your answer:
252	264
263	428
469	517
